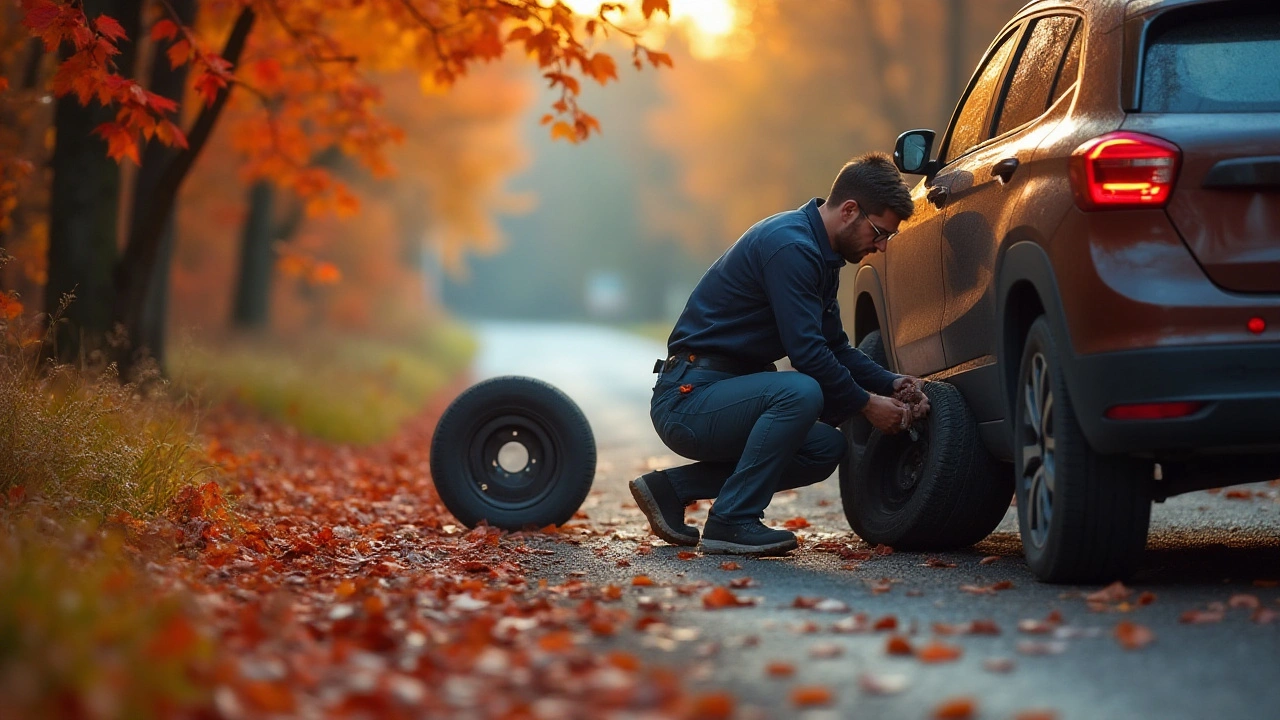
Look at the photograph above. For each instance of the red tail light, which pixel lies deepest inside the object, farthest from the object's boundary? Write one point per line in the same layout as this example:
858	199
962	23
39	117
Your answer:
1153	411
1124	170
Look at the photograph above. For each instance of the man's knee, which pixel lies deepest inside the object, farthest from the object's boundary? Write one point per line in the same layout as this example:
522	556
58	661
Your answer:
801	391
830	446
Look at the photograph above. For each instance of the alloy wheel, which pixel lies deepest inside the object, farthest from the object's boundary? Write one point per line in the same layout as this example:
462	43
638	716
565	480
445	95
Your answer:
1036	476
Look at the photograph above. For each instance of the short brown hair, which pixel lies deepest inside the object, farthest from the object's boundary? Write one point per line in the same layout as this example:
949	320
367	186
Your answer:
874	182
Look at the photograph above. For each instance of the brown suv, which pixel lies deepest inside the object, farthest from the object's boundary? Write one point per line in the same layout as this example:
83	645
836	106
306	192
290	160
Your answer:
1094	264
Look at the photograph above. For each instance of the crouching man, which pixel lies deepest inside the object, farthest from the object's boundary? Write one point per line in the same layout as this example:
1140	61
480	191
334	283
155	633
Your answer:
752	431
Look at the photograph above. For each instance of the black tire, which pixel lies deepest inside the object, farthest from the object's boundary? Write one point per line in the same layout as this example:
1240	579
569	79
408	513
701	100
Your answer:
1083	516
939	492
856	429
513	415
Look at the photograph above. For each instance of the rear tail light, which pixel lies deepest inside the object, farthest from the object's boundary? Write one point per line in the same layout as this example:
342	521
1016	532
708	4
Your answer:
1124	170
1153	411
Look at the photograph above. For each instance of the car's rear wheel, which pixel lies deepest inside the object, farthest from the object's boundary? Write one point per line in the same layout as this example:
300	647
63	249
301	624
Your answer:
1083	516
856	429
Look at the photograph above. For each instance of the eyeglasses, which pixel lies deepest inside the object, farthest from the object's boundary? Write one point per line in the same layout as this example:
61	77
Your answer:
880	234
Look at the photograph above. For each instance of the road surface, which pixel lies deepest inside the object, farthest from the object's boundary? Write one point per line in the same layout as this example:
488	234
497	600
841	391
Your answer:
1206	551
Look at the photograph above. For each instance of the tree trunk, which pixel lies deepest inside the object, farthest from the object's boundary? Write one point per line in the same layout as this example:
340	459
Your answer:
84	207
251	310
136	268
171	83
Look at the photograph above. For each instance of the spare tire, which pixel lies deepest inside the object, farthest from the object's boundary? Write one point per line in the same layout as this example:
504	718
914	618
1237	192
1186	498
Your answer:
939	492
514	452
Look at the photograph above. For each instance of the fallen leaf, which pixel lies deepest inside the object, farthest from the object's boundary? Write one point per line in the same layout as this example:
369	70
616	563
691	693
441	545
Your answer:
999	665
989	559
1036	715
1200	617
1244	600
686	555
811	695
711	706
898	645
936	562
1133	636
882	684
722	597
826	651
1035	627
888	622
796	523
641	581
936	652
831	605
977	589
730	565
1146	598
851	624
780	669
1113	593
741	582
957	708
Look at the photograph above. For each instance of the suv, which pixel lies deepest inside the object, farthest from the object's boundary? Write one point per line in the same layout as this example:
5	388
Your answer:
1093	266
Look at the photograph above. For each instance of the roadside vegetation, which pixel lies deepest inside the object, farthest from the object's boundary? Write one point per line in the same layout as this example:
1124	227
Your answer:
333	387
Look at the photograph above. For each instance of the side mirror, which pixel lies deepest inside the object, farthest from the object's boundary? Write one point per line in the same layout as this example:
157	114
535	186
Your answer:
912	151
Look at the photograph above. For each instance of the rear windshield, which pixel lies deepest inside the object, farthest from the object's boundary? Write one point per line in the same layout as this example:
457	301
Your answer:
1198	64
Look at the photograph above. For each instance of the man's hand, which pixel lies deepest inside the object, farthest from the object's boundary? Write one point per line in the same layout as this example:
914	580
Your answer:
910	391
887	415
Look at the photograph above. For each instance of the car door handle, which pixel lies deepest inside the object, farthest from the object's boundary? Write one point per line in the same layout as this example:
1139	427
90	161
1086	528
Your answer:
1004	169
938	196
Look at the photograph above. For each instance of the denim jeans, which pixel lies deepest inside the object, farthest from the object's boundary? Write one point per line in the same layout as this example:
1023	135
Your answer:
751	435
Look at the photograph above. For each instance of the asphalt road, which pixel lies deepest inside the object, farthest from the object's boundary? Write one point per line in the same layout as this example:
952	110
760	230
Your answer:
1204	548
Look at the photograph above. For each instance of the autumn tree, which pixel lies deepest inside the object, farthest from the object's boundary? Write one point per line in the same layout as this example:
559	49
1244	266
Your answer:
308	64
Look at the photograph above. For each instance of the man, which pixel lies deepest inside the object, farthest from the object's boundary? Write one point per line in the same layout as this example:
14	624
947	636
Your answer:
752	431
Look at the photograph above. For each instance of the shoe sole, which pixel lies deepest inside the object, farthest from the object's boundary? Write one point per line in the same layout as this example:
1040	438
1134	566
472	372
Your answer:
658	524
725	547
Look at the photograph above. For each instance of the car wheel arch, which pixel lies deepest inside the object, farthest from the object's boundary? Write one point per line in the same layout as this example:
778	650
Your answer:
1027	288
869	307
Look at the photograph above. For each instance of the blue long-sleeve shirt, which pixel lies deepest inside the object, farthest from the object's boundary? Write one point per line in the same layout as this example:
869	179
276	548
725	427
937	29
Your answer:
773	294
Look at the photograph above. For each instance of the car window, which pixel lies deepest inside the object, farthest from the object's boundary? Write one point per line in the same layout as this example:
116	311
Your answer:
971	125
1070	70
1030	86
1214	64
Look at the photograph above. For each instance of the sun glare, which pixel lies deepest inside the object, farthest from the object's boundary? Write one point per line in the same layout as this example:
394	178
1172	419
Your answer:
709	25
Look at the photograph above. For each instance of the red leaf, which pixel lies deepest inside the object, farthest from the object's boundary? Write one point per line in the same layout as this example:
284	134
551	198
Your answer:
811	695
163	30
936	652
712	706
960	708
796	523
780	669
1132	636
178	53
898	645
108	26
686	555
722	597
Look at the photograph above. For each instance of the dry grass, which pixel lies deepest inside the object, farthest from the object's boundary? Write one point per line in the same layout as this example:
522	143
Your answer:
86	443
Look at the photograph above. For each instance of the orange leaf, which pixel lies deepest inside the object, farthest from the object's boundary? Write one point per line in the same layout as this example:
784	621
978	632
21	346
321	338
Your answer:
178	53
652	6
1132	636
686	555
796	523
641	581
1036	715
959	708
611	592
712	706
658	59
730	565
780	669
563	131
898	645
722	597
557	641
10	308
936	652
811	695
1115	592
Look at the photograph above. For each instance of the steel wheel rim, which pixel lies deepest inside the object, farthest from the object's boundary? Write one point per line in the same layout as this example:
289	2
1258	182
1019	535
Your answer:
505	488
1036	480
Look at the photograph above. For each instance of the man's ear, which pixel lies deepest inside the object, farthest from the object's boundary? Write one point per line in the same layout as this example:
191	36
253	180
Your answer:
849	209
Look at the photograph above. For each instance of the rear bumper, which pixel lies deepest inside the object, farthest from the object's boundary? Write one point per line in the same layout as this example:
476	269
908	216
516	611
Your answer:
1239	384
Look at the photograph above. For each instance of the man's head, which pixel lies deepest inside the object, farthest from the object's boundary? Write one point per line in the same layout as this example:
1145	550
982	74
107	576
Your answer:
867	202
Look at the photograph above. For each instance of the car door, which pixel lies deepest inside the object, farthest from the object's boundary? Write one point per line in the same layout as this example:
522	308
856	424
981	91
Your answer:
914	283
989	180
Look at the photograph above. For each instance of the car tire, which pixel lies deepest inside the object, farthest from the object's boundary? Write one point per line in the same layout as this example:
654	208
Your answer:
1083	516
856	429
514	452
938	492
